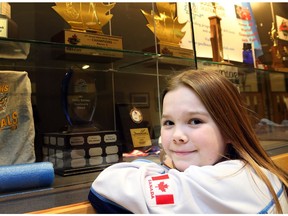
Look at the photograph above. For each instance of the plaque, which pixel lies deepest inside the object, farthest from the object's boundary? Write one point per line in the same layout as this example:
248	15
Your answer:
86	20
79	99
168	31
133	126
140	137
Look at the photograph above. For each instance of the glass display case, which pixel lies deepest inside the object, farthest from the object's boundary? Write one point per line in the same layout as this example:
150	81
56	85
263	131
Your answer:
124	79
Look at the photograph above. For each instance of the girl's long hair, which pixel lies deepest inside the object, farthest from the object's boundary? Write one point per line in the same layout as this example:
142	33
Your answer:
225	105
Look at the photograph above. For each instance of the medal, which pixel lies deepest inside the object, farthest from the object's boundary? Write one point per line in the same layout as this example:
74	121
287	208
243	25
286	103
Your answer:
136	115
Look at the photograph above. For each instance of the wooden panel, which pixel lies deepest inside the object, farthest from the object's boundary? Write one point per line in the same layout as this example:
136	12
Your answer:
281	160
77	208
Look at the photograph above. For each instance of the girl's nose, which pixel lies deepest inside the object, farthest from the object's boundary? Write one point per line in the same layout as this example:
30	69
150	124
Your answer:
179	137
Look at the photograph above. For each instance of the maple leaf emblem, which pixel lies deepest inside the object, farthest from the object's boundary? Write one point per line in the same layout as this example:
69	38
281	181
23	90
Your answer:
74	39
162	186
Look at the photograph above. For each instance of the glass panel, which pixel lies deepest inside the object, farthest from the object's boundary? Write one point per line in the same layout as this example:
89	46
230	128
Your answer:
265	94
133	76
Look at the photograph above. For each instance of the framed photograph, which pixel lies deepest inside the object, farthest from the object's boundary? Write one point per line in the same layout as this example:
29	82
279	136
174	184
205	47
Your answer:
140	99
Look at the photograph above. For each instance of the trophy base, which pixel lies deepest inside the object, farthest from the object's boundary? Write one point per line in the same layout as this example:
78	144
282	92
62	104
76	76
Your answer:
88	42
179	56
81	152
81	128
227	62
9	28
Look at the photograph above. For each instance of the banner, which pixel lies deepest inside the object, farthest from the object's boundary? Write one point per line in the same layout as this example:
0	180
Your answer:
237	24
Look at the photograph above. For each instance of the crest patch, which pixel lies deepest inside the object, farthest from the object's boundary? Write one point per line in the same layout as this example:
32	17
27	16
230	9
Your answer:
159	190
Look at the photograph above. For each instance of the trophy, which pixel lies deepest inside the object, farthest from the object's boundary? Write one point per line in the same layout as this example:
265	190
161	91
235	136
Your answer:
167	29
87	20
216	36
79	99
83	146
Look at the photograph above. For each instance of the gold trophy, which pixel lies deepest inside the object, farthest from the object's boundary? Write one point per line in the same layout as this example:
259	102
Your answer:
87	20
168	31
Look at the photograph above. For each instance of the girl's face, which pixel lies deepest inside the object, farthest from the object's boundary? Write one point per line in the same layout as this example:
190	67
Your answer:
188	133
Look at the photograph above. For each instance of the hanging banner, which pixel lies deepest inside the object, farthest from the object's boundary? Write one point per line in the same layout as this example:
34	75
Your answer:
237	24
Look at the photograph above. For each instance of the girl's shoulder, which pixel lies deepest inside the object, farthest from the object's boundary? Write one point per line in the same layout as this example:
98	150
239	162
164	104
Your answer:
237	171
219	169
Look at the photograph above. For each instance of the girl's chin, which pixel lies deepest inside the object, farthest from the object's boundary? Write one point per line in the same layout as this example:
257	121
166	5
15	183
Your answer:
181	166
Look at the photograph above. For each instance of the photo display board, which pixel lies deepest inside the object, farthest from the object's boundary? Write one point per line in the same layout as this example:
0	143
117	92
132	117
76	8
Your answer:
237	24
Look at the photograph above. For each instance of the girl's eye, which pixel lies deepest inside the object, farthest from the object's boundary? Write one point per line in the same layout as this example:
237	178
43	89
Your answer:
168	123
195	121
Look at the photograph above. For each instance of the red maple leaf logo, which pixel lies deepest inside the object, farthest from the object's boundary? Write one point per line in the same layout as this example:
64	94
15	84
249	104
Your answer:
162	186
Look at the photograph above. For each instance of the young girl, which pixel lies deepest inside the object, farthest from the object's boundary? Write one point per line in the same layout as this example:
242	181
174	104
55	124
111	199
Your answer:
217	164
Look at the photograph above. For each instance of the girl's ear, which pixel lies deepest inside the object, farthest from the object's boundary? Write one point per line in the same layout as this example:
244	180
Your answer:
228	142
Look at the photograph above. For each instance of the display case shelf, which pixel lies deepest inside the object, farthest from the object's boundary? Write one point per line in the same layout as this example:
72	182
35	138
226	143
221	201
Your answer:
27	53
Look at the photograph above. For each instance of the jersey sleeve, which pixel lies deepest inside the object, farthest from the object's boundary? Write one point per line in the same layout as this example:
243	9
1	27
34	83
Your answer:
147	187
126	190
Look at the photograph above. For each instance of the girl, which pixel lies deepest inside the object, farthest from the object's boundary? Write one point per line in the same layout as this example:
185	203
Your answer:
214	161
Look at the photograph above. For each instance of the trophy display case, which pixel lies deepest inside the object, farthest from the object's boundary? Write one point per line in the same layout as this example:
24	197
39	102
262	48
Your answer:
97	102
89	93
117	81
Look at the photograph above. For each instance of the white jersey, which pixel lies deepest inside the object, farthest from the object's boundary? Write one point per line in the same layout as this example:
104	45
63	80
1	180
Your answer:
143	186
